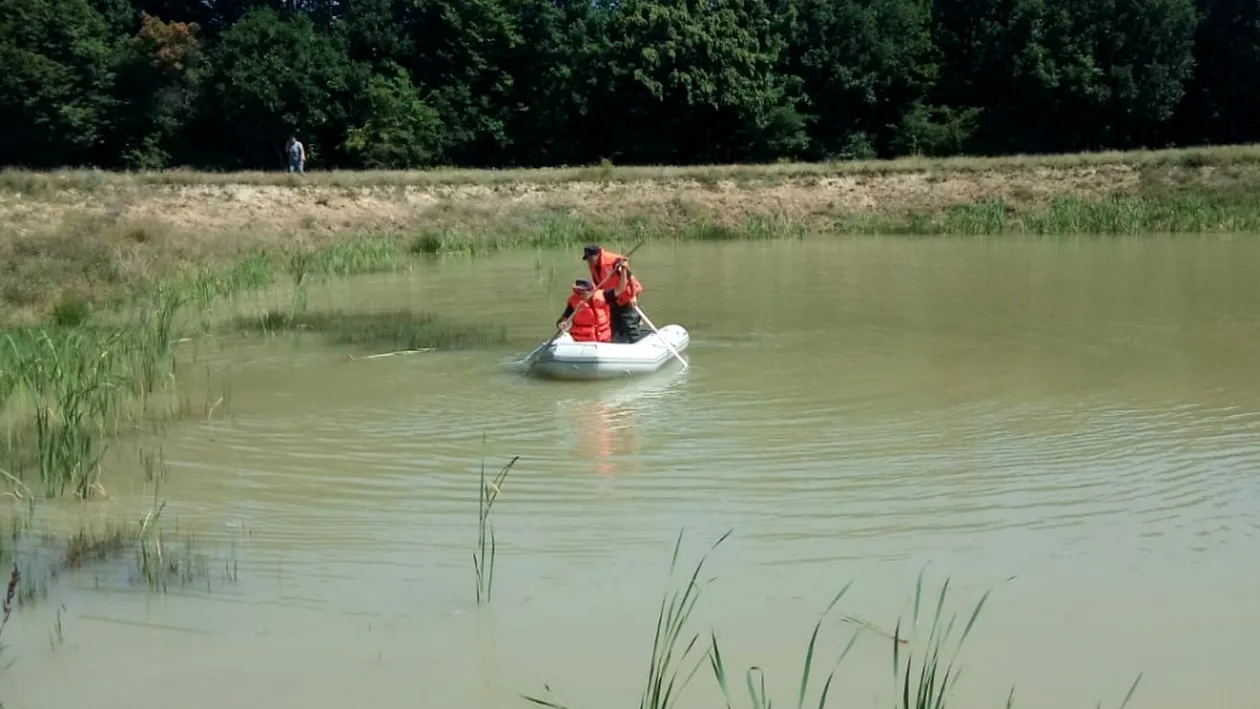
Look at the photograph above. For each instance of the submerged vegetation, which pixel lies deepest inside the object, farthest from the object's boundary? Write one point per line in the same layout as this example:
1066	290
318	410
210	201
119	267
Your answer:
399	329
140	553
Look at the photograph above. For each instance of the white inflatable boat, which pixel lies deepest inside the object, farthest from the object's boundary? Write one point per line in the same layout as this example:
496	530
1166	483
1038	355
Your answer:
566	359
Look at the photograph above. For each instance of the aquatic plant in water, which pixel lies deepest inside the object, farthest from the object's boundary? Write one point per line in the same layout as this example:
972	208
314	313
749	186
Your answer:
662	684
483	558
392	329
755	676
63	389
925	689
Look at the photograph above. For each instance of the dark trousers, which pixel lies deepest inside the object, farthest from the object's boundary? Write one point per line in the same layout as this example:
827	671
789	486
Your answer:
625	323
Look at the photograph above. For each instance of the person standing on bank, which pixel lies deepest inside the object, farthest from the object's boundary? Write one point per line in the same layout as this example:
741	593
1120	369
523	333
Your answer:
296	153
623	309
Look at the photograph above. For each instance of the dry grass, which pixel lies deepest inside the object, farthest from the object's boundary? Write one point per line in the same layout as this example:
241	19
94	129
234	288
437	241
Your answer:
88	180
89	235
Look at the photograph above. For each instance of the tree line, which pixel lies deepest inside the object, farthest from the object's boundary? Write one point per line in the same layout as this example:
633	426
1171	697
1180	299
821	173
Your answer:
221	84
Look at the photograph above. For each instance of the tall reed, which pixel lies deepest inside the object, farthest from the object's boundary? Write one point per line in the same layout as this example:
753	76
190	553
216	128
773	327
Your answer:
64	389
927	691
755	676
483	558
924	688
666	664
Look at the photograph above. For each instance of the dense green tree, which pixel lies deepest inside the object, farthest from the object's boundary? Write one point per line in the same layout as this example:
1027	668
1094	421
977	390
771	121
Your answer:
397	129
461	57
1222	102
554	67
55	85
160	74
275	74
703	75
410	83
376	31
865	64
1054	75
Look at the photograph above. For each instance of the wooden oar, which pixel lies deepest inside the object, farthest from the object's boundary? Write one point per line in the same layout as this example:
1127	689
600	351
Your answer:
639	310
529	358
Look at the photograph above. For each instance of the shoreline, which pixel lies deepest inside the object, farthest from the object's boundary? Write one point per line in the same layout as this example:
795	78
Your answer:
88	179
95	236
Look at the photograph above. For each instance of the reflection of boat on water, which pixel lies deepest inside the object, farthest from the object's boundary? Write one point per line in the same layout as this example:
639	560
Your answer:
604	433
606	420
639	394
566	359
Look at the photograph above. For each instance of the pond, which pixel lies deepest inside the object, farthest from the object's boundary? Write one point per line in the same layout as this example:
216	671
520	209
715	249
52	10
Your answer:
1073	424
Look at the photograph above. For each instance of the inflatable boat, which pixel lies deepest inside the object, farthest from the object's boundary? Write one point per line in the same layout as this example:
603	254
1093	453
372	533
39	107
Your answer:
566	359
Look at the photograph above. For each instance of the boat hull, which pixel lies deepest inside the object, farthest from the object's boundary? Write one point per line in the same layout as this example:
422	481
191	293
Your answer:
566	359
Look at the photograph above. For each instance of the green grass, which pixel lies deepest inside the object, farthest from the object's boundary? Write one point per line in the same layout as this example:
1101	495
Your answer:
1201	213
69	386
64	389
396	329
555	230
72	277
1161	212
922	686
268	266
1205	212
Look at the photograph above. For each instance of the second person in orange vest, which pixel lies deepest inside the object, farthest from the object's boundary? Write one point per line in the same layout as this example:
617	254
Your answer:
592	321
616	268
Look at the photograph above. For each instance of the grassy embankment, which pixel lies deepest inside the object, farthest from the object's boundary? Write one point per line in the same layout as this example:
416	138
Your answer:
91	235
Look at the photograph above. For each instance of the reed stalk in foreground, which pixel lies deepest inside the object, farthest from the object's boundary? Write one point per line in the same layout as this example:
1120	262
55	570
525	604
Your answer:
483	563
756	678
927	690
663	686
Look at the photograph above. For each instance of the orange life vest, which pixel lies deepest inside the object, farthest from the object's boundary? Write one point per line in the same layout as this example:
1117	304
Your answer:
603	266
592	321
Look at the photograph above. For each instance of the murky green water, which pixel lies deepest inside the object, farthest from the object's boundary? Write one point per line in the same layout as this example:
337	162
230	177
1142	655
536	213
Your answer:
1081	416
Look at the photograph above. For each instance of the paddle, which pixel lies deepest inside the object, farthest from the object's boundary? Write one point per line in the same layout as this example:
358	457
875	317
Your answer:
658	334
529	358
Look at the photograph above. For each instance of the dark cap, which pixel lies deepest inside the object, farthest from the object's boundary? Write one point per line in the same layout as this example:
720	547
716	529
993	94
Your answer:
590	250
583	284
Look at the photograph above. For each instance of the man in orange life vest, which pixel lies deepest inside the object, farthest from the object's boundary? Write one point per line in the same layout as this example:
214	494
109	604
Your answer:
624	314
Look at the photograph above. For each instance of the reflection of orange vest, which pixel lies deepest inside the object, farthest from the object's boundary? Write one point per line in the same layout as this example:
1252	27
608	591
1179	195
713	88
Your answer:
603	267
592	322
605	443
